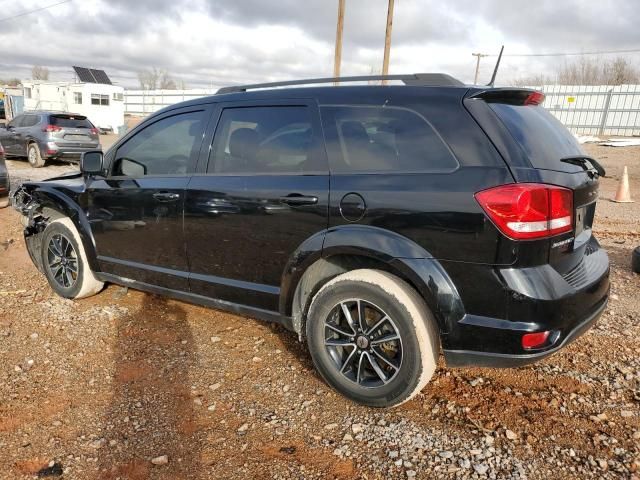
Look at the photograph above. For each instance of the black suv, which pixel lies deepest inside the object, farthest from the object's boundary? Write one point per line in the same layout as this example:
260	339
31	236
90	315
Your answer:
381	223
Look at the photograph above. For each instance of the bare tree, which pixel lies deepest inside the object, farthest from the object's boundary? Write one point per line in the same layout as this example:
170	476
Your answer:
10	82
39	73
167	82
155	78
588	71
149	79
620	71
532	81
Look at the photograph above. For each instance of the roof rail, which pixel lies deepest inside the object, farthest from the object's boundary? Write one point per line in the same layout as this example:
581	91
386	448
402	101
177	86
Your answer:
414	79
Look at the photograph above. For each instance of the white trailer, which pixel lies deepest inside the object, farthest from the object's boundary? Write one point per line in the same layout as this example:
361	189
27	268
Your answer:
102	104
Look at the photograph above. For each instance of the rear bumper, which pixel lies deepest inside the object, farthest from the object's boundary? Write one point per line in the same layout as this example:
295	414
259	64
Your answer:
68	152
513	302
463	358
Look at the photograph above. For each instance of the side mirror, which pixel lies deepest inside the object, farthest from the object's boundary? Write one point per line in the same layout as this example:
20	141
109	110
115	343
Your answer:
91	162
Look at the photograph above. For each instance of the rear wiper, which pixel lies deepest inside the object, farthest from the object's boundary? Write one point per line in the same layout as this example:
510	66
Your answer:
586	162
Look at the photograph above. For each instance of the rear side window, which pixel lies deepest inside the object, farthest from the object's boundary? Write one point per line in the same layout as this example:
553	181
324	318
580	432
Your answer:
16	122
542	137
383	139
263	140
30	120
166	147
69	121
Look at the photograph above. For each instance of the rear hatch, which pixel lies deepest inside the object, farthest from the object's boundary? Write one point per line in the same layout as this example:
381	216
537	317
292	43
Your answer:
72	130
542	150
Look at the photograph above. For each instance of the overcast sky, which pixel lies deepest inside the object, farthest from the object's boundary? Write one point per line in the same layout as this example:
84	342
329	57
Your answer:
221	42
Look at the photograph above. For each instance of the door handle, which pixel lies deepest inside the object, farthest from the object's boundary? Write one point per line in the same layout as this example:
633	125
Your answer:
166	196
296	199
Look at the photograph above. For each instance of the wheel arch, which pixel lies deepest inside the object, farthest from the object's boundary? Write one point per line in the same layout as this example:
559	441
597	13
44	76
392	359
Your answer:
351	247
47	204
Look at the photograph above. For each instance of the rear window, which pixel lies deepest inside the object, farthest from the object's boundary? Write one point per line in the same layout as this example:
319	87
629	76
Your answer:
383	139
542	137
69	121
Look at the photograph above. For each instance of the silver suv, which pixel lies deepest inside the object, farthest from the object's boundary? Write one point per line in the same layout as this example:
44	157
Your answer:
44	135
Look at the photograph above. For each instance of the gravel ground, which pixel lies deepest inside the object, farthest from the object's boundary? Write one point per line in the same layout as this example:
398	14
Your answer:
133	386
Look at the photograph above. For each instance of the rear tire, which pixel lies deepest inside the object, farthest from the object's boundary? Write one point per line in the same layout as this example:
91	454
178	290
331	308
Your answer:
34	157
635	260
385	351
65	261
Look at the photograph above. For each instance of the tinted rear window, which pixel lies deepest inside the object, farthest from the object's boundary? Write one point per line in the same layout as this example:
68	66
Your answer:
383	139
542	137
68	121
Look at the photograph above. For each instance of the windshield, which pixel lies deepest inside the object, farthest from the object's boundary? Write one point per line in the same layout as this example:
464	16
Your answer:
542	137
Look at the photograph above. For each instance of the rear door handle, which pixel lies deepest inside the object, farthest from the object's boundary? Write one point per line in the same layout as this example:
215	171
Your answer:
296	199
166	196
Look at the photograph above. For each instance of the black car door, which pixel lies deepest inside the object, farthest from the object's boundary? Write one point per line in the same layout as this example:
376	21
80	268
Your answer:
262	191
136	211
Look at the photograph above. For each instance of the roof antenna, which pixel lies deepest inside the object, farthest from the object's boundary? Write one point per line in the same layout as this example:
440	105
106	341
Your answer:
495	70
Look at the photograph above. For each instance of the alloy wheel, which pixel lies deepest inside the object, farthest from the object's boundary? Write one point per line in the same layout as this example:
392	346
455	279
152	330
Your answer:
363	342
62	261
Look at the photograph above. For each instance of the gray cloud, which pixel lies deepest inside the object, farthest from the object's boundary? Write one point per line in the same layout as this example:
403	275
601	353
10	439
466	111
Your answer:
237	41
568	25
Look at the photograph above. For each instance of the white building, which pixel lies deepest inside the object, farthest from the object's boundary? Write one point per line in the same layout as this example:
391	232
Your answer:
102	104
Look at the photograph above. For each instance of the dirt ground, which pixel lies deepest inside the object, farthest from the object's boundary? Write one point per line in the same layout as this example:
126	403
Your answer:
98	388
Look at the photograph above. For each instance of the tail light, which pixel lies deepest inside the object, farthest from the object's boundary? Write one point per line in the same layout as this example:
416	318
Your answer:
94	131
524	211
1	149
51	128
534	340
534	98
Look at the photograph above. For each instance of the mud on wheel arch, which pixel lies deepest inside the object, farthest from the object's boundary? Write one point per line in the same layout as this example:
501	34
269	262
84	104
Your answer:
35	219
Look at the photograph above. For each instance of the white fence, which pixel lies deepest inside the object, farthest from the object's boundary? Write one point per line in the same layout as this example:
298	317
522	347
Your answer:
587	110
595	110
144	102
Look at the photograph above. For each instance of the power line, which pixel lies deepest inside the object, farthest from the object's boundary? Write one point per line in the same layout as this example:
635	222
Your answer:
601	52
28	12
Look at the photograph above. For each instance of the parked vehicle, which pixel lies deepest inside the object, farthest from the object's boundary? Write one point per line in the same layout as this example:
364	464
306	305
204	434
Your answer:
42	136
4	180
380	223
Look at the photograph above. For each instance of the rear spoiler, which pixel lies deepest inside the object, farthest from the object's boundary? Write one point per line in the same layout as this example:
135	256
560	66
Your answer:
511	96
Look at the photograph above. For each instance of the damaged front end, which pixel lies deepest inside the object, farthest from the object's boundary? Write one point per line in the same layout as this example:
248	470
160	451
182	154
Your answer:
34	223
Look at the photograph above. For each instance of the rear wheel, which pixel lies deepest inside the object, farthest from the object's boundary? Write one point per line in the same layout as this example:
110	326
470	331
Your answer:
372	338
34	157
65	262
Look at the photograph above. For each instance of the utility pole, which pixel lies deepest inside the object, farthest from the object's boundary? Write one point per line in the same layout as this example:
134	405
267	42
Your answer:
478	57
387	41
338	54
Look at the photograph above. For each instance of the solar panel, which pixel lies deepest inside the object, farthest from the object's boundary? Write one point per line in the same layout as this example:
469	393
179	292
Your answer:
101	76
84	75
90	75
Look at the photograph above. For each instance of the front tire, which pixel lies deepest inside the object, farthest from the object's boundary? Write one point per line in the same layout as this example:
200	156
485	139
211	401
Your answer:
372	338
65	261
34	157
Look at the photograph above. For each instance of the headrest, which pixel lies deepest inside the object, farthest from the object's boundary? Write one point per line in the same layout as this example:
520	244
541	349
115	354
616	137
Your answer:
243	143
354	131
